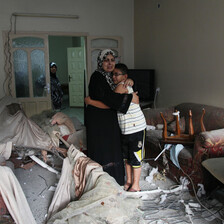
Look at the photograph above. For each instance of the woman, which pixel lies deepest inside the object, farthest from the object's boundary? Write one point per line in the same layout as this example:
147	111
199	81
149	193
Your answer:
103	133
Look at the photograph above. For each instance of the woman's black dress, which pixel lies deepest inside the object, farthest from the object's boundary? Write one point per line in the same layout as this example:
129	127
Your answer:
103	132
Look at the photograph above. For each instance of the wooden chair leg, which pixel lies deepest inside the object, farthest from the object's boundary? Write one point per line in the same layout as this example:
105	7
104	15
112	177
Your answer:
191	129
202	121
177	124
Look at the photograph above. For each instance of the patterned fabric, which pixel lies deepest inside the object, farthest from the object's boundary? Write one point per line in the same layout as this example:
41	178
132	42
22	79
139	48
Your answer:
101	57
210	144
133	121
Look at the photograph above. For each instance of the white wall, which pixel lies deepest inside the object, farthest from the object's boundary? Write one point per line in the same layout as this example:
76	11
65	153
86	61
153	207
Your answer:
98	17
183	40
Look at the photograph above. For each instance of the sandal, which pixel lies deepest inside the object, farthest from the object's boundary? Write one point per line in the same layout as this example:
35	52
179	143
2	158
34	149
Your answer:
127	186
133	190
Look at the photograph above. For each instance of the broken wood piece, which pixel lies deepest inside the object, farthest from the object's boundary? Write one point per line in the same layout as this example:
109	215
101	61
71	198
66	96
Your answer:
44	155
28	165
62	151
65	142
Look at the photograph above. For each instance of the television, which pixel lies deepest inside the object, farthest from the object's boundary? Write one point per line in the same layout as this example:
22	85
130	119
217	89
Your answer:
144	80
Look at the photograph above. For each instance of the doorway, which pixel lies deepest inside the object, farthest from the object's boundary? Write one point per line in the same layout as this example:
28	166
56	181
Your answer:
62	51
55	47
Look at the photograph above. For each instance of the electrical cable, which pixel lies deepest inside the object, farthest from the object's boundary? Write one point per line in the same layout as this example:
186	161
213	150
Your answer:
154	101
154	208
212	213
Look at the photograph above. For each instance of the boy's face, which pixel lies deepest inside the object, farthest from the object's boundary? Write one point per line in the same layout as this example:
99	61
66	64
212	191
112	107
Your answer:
118	76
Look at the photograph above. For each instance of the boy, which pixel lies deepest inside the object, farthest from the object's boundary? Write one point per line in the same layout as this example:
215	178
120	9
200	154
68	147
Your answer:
132	126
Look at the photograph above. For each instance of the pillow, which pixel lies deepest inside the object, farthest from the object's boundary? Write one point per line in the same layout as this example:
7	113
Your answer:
172	126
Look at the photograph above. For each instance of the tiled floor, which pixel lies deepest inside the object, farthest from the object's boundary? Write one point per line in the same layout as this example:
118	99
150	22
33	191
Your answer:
77	112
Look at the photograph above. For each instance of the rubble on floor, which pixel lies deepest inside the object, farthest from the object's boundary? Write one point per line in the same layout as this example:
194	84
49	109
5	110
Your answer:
51	192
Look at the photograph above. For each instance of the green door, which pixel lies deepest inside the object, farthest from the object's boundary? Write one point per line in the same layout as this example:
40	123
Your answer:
76	72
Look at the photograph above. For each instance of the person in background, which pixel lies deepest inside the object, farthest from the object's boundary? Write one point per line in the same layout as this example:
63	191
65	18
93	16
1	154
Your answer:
132	125
56	90
103	132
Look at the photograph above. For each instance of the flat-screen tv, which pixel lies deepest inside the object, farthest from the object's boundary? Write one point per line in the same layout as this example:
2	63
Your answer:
144	83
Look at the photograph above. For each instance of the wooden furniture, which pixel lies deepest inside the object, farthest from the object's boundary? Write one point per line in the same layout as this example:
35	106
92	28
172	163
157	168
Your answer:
179	138
207	144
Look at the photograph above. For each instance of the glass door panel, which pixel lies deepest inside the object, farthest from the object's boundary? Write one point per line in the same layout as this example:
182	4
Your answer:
38	73
31	78
21	73
104	43
23	42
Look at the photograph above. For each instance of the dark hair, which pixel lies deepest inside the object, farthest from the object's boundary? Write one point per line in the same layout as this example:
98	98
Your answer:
122	67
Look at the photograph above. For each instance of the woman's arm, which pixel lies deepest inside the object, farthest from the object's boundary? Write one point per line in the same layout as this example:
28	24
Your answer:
100	90
122	89
95	103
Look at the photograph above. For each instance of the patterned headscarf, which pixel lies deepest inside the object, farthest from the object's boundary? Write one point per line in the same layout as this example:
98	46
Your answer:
101	57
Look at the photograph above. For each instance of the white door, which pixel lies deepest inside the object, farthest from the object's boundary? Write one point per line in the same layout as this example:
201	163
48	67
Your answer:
30	72
97	43
76	73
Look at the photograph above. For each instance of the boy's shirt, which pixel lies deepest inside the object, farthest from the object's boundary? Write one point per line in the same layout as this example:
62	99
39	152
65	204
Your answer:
134	120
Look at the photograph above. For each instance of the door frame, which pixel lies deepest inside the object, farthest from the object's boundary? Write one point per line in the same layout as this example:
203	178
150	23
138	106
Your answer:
88	48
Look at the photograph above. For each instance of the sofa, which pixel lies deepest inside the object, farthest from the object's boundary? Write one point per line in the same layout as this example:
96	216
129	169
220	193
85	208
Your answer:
206	144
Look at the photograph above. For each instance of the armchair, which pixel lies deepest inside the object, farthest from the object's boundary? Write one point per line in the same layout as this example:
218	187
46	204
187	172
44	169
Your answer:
207	144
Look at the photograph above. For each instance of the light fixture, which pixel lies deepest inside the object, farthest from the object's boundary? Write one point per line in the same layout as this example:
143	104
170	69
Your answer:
45	15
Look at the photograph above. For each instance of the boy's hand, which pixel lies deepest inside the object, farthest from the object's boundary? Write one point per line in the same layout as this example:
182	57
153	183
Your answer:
135	98
128	82
121	89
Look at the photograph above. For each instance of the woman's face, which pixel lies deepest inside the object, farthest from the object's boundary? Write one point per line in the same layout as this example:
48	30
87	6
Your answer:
108	63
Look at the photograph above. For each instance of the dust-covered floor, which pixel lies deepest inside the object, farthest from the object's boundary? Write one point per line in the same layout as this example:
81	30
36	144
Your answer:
175	205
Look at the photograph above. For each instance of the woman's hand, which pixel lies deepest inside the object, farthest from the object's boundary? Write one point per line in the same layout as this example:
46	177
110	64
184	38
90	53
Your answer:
87	100
135	98
128	82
